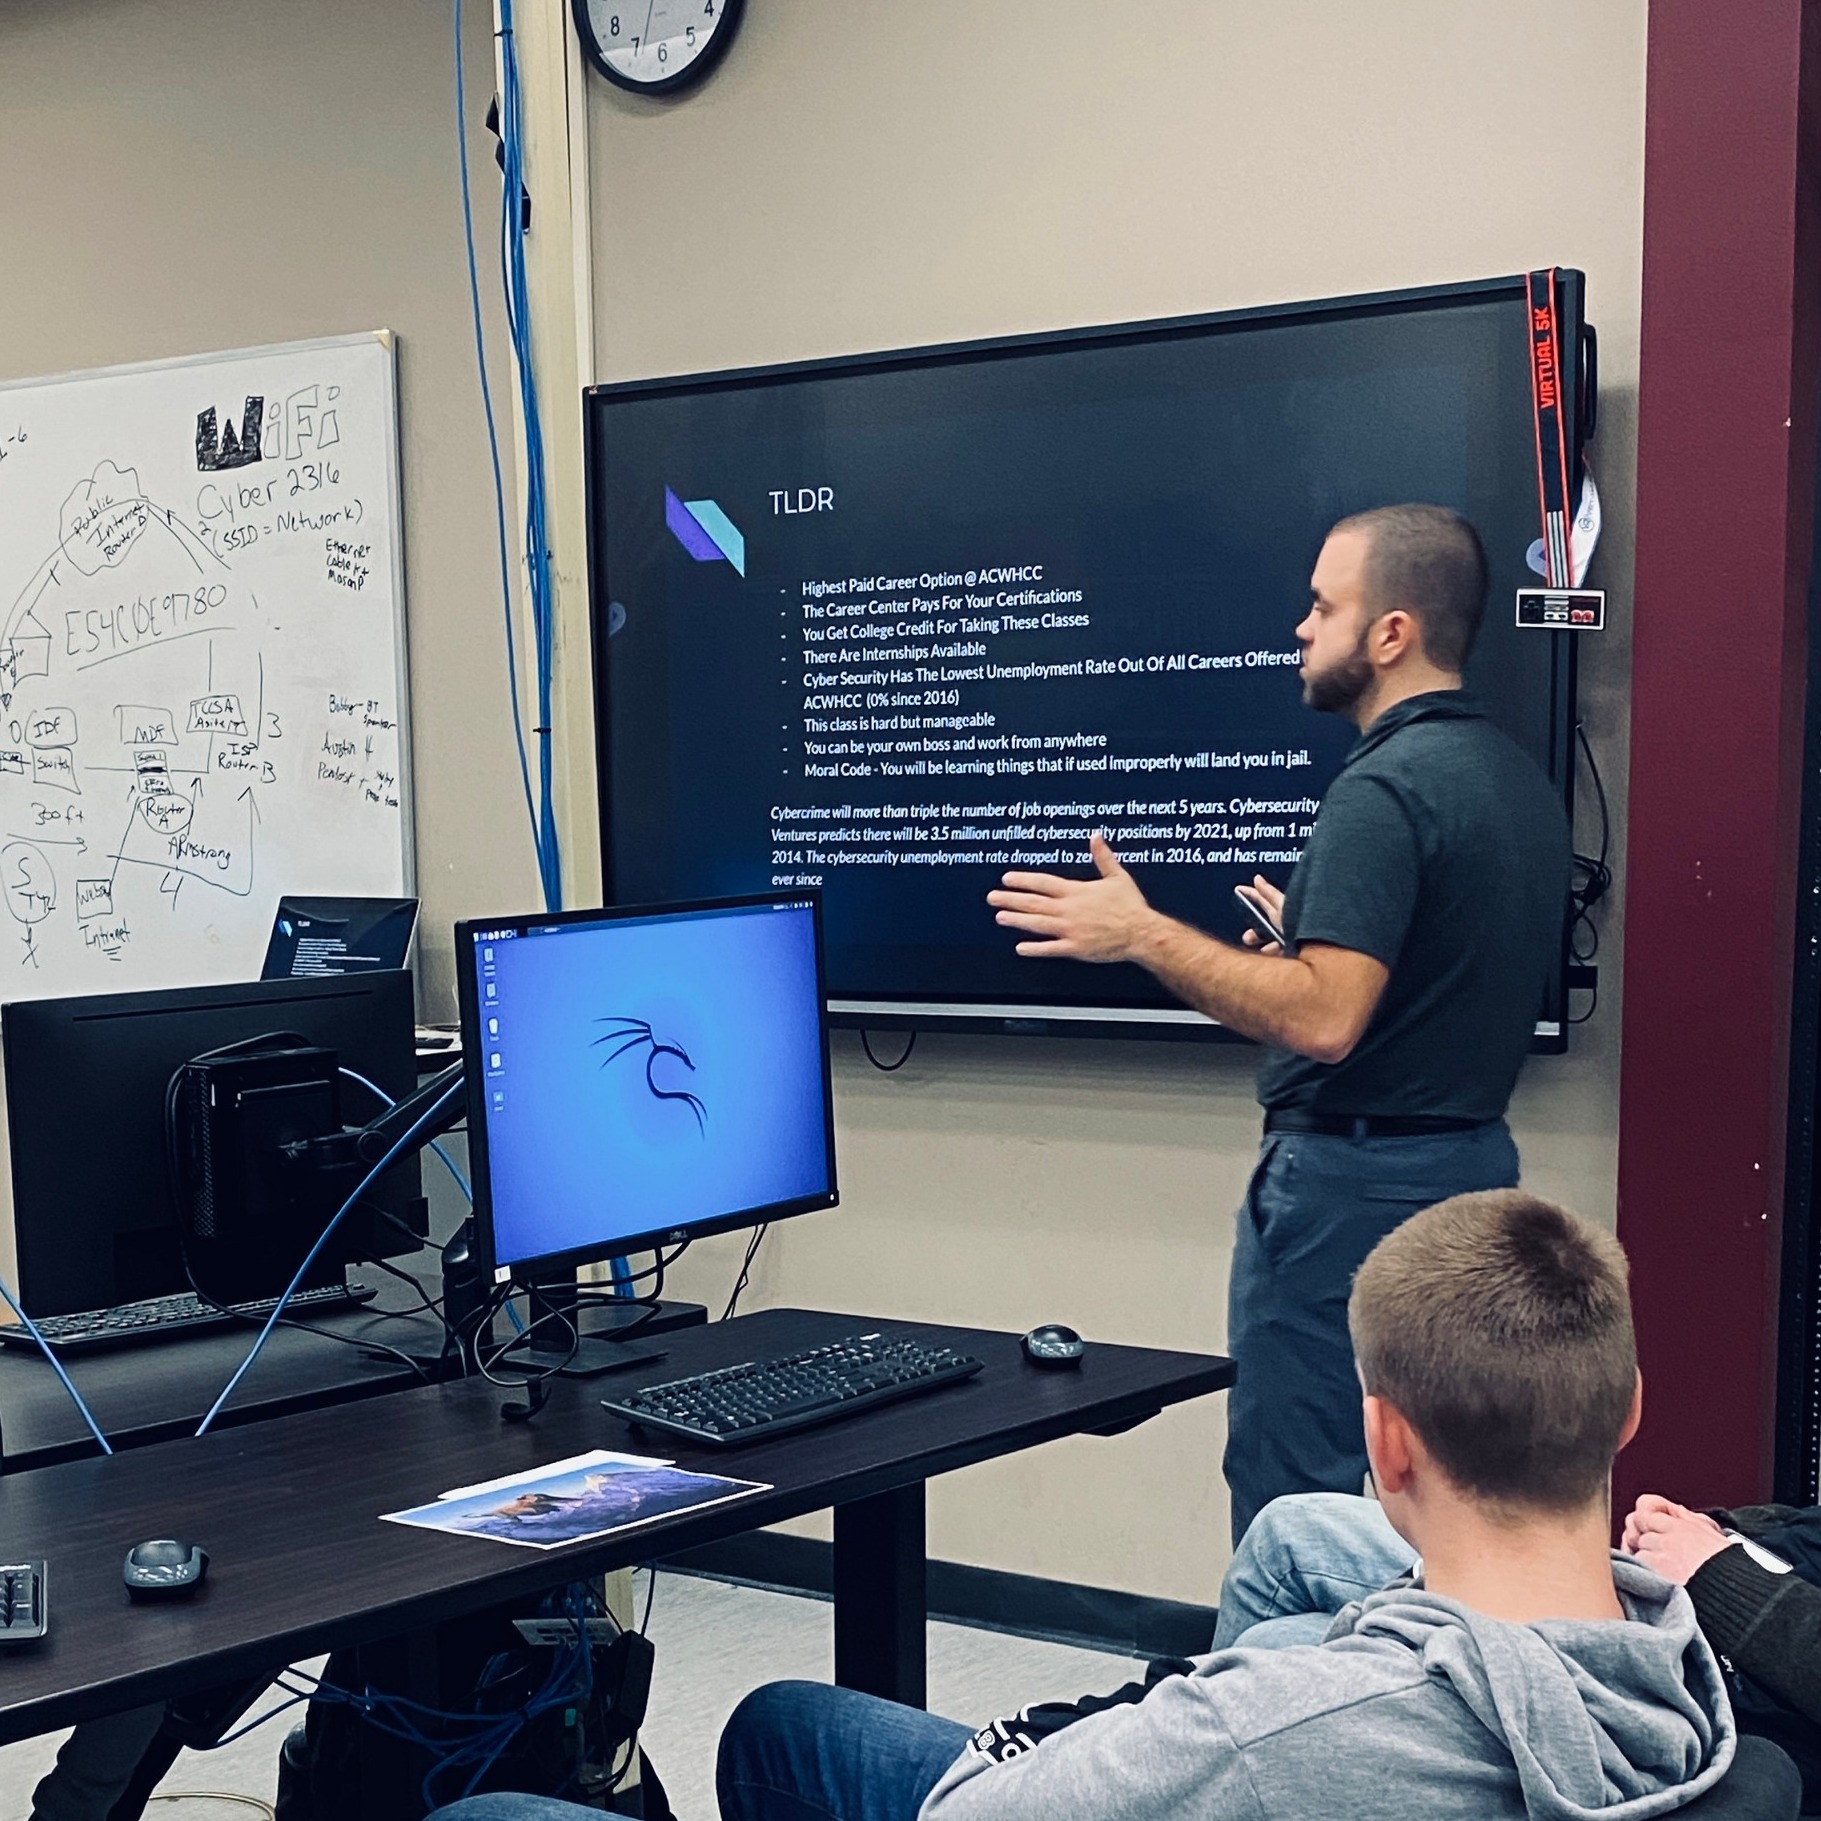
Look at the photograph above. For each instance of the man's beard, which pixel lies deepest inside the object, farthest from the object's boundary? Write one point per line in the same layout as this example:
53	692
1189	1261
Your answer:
1335	690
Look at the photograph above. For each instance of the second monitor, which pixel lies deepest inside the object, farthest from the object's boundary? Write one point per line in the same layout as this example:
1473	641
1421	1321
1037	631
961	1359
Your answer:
87	1086
642	1076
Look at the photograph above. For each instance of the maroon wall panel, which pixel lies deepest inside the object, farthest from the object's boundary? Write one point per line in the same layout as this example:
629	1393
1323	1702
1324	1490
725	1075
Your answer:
1719	656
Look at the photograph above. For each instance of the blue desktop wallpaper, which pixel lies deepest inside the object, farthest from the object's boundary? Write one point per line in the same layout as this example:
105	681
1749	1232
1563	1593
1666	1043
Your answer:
647	1074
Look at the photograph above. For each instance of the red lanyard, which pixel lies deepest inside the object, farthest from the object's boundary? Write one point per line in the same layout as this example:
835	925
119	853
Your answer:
1546	377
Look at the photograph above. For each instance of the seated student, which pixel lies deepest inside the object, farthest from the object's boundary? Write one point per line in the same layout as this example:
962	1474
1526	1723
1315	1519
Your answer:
1752	1575
1527	1671
1308	1556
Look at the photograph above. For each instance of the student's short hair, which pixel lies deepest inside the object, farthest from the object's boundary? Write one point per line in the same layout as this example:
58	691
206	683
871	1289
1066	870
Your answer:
1429	561
1500	1327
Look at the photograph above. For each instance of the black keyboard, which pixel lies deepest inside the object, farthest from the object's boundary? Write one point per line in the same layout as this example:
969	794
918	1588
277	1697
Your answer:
766	1397
22	1617
160	1317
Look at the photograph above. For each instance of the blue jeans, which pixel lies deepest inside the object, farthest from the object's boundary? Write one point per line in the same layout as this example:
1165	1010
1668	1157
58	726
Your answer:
796	1751
803	1751
510	1805
1303	1559
1316	1205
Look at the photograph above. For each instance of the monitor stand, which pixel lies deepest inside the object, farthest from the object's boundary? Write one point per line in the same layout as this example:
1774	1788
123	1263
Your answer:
597	1351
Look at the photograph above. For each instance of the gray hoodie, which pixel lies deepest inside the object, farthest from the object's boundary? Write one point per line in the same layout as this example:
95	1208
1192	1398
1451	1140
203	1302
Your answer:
1415	1706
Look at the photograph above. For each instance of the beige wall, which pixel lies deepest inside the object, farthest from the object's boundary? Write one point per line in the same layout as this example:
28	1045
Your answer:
185	176
869	176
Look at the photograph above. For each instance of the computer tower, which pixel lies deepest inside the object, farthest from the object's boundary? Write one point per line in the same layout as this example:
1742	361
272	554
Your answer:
260	1174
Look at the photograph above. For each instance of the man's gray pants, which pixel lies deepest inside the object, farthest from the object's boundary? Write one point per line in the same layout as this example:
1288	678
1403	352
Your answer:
1316	1205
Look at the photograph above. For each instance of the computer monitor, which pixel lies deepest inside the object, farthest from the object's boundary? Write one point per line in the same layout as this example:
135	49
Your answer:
313	936
86	1083
643	1075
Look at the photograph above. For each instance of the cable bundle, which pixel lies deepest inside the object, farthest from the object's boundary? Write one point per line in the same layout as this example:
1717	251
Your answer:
539	807
1591	882
506	1701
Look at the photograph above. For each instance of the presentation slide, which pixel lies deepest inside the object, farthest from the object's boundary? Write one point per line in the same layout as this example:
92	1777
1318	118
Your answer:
891	631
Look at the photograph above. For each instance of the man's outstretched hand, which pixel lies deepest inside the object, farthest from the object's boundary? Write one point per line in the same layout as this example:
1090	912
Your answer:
1317	1003
1103	919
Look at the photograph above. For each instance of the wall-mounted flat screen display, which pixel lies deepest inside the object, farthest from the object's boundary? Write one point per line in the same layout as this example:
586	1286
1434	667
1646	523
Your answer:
890	625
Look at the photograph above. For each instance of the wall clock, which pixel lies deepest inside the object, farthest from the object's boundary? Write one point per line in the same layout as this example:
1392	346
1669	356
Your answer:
655	47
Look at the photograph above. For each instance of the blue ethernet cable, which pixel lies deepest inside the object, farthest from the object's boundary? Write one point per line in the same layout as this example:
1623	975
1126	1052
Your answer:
461	1182
436	1144
536	542
49	1352
493	447
568	1681
398	1149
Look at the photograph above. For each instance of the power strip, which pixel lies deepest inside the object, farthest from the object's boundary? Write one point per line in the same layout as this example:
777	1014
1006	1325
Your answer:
554	1634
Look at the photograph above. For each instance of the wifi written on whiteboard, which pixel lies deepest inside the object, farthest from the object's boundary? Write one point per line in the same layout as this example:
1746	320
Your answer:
201	662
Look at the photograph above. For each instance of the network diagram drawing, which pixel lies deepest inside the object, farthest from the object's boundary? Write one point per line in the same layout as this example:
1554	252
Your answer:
198	687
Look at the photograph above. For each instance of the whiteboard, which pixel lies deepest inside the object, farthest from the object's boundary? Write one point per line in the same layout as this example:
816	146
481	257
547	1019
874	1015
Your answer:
202	663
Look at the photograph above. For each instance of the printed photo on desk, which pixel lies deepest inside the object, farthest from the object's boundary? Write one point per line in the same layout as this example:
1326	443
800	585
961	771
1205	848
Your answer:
574	1501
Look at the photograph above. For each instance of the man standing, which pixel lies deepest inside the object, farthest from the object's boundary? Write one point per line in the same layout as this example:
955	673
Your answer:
1424	920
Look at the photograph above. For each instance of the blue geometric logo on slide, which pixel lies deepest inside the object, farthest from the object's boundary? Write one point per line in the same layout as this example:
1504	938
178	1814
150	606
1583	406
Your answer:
705	531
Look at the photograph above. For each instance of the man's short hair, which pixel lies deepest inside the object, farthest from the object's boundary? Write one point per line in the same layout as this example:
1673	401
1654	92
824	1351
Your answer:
1429	561
1500	1327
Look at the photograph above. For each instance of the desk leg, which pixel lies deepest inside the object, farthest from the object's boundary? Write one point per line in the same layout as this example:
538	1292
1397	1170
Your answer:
881	1605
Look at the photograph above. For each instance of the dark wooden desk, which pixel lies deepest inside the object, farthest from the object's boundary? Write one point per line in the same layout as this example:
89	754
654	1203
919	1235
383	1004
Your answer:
289	1512
158	1393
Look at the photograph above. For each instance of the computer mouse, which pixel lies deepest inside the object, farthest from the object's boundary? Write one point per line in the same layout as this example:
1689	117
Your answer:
1053	1344
163	1568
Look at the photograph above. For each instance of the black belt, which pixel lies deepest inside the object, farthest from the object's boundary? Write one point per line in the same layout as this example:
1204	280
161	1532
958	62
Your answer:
1364	1125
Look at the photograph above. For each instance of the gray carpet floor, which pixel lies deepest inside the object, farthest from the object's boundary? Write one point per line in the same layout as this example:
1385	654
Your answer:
714	1643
